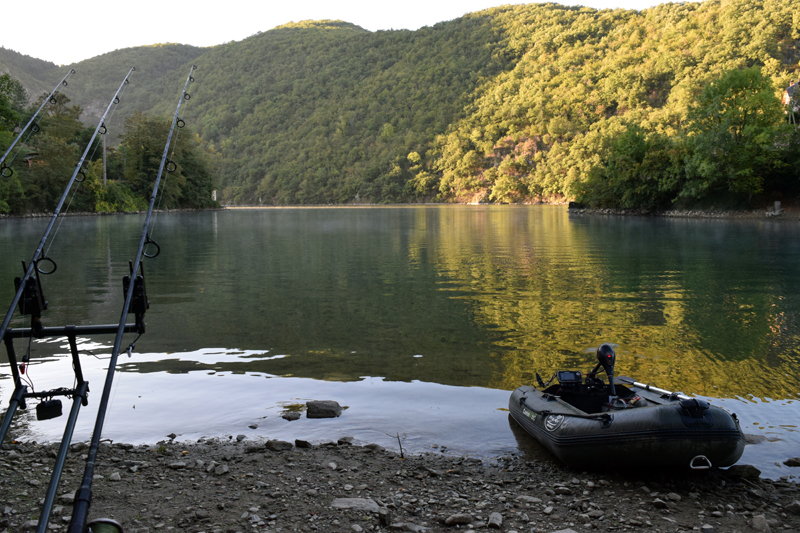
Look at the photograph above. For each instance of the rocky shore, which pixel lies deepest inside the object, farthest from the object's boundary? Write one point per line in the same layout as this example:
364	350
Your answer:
773	213
234	485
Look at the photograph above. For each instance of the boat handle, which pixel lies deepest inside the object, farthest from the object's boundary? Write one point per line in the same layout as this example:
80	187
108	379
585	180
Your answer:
700	466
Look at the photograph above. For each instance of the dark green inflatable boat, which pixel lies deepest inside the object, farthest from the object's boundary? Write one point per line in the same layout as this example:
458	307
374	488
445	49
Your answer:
586	422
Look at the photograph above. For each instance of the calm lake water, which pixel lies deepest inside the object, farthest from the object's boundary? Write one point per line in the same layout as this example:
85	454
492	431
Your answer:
420	320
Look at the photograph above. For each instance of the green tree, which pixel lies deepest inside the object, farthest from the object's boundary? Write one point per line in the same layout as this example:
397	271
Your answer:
733	135
142	147
13	99
641	171
50	171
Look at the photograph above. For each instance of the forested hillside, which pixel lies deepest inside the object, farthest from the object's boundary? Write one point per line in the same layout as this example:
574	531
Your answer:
96	79
676	103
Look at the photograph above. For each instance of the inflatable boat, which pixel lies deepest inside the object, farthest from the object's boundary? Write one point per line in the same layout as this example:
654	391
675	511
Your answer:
588	422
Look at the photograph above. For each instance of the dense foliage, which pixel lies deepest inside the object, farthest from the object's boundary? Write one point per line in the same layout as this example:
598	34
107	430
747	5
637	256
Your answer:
619	98
676	103
44	162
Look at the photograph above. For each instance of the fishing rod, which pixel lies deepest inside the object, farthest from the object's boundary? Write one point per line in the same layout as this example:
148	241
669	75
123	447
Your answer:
34	303
135	302
6	171
30	298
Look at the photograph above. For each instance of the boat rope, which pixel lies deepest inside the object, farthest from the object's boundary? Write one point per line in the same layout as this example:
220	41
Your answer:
24	282
31	127
135	286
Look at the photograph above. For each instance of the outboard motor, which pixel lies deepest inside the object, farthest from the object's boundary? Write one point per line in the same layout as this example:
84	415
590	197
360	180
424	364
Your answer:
606	358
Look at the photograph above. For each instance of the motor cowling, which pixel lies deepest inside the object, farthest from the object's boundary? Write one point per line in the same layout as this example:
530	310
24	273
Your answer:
606	358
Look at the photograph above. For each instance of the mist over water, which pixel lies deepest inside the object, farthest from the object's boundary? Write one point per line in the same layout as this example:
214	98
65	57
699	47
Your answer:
419	319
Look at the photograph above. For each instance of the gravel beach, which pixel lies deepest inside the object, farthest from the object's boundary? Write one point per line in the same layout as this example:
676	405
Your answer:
231	485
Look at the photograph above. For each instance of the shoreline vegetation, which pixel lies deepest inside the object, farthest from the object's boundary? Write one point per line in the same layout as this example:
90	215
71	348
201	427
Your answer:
778	215
232	484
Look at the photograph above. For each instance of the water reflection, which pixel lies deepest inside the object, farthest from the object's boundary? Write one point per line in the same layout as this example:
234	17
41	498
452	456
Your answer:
485	295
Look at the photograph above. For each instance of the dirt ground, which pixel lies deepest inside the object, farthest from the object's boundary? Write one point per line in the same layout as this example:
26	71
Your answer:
228	486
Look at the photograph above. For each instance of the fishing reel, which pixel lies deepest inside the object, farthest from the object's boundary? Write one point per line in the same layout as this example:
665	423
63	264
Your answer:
139	303
32	302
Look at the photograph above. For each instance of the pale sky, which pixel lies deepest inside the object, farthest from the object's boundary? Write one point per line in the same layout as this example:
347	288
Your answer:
68	32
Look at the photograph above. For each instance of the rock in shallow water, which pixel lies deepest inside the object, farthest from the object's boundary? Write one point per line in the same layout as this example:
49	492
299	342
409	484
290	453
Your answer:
323	409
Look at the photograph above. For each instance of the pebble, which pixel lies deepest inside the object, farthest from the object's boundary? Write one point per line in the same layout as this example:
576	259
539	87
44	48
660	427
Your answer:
358	504
794	461
706	528
744	471
115	477
458	519
279	445
384	517
759	523
495	520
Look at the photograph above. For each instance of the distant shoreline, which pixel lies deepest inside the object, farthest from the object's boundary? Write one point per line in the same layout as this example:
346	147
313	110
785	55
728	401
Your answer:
786	215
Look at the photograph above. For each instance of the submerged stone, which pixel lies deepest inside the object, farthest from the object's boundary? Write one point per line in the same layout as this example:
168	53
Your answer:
323	409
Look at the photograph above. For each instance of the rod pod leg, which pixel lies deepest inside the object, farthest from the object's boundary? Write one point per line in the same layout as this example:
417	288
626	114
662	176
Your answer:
58	468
